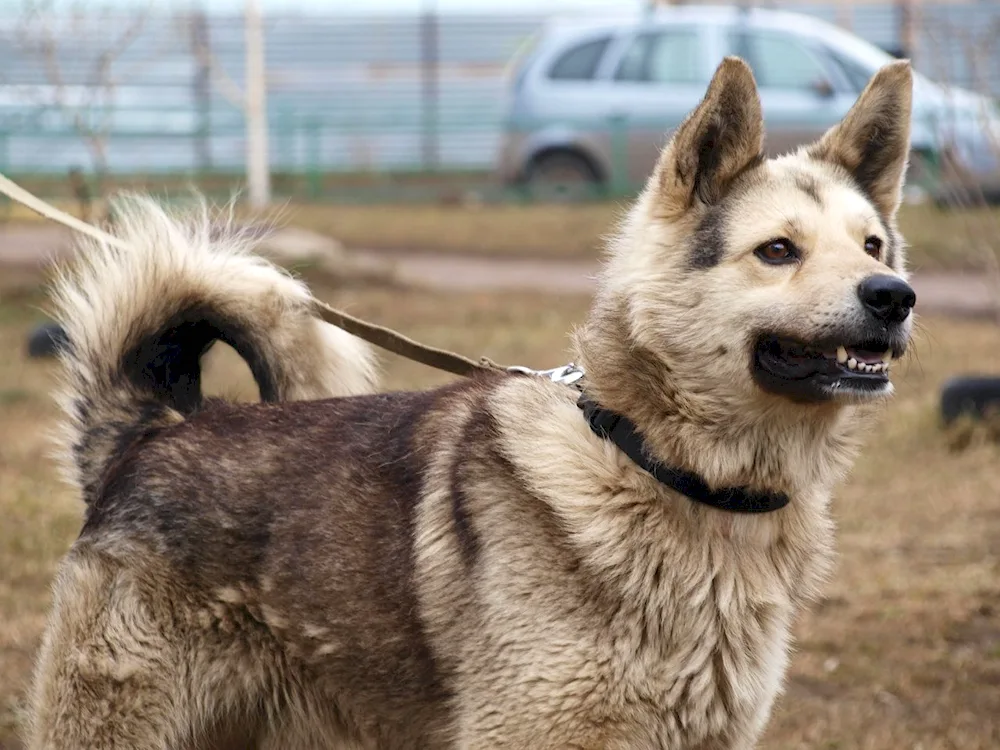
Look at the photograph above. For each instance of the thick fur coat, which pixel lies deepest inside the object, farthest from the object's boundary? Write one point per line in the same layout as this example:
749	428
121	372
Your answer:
472	567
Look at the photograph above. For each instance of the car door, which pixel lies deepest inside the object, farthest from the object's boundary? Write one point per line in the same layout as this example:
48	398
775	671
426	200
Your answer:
659	76
801	93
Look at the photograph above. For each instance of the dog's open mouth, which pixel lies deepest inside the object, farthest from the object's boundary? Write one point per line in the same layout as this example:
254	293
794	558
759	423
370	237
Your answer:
820	372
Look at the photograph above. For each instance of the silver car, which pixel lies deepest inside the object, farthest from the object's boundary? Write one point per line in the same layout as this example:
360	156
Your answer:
593	100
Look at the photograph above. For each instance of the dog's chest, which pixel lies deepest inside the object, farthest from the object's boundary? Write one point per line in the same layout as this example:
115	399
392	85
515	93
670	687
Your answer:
702	657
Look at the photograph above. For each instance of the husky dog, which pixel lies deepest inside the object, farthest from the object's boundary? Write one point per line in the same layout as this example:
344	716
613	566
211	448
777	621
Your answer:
485	565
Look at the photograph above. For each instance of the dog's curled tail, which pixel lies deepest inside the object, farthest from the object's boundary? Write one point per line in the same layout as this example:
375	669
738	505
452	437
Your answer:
138	319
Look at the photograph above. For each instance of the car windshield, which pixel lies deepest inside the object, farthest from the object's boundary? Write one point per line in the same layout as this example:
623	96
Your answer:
865	59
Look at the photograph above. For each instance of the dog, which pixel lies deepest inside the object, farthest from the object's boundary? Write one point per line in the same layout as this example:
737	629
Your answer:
506	561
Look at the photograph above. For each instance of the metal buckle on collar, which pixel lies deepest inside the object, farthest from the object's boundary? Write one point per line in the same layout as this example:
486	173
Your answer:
566	375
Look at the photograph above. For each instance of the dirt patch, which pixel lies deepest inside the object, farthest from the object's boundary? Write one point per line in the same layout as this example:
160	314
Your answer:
25	249
949	240
32	246
939	239
938	292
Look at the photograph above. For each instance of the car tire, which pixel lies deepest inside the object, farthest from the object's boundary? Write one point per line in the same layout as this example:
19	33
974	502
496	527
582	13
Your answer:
47	340
561	175
974	396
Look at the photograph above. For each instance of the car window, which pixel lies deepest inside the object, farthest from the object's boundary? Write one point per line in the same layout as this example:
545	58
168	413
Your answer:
579	63
778	60
662	57
856	74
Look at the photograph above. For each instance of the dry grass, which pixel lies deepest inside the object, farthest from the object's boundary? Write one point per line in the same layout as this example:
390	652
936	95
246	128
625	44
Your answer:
903	653
559	231
940	239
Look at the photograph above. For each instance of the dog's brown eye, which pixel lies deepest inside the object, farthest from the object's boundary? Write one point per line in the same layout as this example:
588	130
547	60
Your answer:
778	252
873	246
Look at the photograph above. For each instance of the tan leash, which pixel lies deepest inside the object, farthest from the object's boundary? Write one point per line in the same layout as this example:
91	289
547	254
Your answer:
397	343
384	338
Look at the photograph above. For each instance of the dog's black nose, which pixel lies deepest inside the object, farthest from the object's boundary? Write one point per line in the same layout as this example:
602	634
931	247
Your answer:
888	298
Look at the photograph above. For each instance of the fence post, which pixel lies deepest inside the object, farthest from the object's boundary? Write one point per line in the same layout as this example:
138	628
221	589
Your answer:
255	110
430	73
619	182
201	89
314	148
285	138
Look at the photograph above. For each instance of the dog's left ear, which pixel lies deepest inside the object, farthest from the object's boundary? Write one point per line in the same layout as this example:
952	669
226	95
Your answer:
722	138
872	142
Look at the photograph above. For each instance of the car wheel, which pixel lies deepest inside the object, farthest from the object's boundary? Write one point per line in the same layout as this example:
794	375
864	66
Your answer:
562	176
975	396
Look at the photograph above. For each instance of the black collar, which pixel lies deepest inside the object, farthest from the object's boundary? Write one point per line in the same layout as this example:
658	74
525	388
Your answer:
624	434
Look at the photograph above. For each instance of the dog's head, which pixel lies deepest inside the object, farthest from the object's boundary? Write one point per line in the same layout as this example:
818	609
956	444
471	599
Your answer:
781	277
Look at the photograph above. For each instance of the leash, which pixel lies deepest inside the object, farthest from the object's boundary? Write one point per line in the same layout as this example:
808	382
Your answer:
397	343
384	338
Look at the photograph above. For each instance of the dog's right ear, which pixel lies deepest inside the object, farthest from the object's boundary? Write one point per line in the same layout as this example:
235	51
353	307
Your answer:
872	142
722	138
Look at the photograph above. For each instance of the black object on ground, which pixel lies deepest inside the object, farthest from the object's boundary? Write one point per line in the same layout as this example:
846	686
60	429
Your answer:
972	395
46	340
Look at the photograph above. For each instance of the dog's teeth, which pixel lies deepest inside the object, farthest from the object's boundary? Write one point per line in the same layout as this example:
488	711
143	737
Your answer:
877	367
841	354
852	363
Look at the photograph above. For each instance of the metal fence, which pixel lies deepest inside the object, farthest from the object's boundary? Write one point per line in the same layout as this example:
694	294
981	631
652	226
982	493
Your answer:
348	96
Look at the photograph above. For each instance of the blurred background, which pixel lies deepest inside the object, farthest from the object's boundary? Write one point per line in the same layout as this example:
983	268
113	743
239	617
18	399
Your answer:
387	100
450	168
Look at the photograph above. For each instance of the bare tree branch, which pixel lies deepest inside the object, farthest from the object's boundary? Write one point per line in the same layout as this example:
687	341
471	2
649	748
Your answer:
135	71
87	107
229	89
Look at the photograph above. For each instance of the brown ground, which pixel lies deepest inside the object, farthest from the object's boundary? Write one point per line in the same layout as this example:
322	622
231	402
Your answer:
26	247
903	653
940	239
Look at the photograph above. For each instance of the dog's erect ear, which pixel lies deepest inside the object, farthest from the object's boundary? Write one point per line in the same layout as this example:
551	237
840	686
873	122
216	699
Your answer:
719	140
872	142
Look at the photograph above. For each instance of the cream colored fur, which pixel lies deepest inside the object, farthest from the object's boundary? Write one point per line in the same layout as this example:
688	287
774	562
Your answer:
113	297
547	592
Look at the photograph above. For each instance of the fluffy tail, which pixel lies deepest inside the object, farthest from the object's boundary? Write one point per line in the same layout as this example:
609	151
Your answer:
139	319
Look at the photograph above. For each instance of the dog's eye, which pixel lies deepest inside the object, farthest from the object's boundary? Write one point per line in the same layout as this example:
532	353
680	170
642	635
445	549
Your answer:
778	252
873	246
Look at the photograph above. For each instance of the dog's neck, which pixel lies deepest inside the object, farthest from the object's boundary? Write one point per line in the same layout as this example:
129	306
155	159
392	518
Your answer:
772	446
